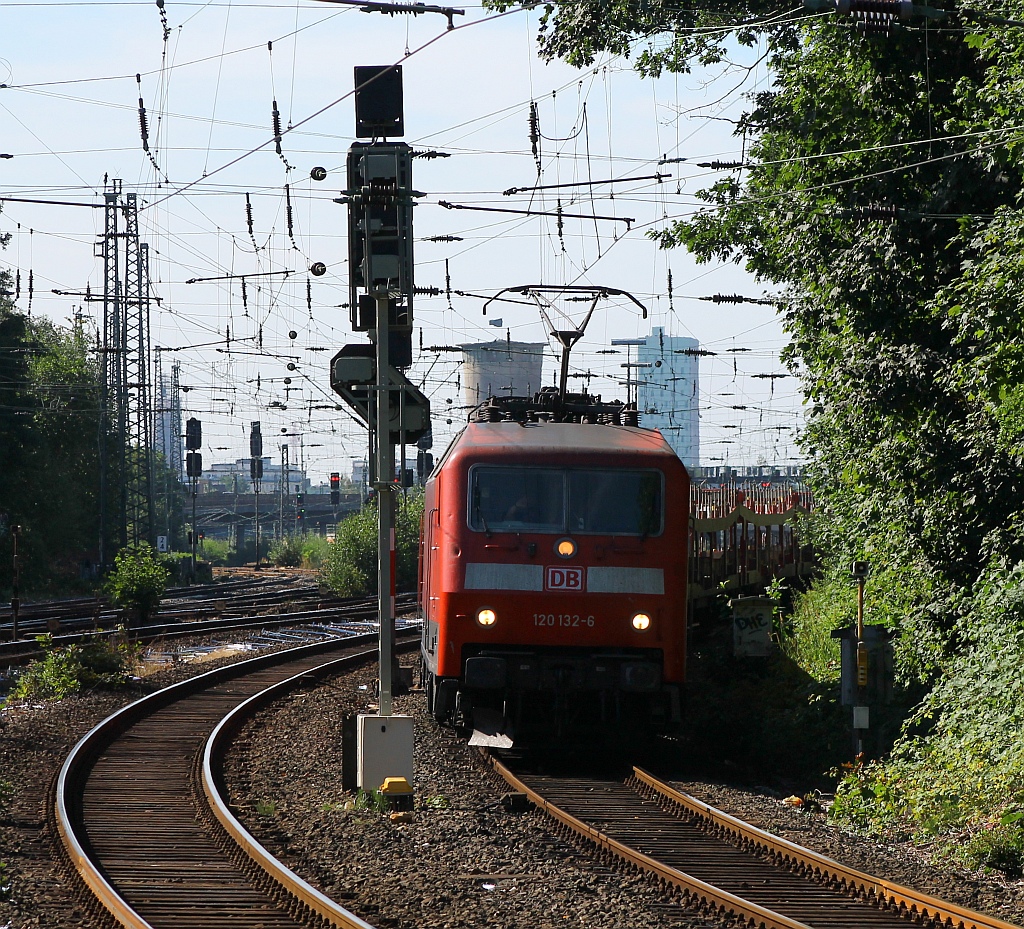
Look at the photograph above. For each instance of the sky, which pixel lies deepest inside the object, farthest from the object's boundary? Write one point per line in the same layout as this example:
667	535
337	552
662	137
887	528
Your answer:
208	75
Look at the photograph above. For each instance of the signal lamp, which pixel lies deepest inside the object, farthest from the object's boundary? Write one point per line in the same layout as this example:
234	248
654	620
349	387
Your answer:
565	548
641	622
486	617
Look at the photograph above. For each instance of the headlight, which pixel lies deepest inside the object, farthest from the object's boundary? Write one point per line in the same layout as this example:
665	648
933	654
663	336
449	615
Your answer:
486	617
641	622
565	548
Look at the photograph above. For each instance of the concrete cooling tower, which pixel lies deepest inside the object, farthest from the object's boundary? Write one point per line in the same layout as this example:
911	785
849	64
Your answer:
501	369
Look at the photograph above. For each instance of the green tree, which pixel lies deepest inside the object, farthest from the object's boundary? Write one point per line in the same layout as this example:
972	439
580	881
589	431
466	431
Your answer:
48	453
138	580
663	35
879	189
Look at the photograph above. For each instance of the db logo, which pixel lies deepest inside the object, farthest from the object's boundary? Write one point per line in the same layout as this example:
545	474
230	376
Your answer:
564	579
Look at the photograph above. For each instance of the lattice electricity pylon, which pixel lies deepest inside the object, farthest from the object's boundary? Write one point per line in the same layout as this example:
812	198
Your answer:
112	386
138	415
126	460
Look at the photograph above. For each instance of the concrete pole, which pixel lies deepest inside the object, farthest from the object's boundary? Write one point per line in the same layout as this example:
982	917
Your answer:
385	530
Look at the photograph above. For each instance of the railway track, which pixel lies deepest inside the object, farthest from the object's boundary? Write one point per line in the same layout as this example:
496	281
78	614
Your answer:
143	821
725	868
234	598
322	618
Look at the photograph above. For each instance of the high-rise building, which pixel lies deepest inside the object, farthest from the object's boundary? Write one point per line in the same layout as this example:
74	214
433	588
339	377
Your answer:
668	391
167	425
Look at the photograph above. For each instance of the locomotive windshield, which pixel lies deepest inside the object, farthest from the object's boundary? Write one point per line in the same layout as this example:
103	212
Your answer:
578	500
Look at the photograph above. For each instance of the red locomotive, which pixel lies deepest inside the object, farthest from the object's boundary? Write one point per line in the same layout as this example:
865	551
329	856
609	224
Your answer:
553	572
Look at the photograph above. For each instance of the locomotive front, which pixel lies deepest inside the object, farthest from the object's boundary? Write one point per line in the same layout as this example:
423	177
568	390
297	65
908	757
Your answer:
553	580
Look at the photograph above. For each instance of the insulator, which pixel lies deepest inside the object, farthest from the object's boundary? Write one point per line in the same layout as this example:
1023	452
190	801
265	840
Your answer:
276	117
535	134
873	24
880	7
288	215
309	297
879	211
163	18
248	213
143	126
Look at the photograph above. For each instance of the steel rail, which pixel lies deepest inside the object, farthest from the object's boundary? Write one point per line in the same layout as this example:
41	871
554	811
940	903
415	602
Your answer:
27	648
706	894
214	753
916	903
67	808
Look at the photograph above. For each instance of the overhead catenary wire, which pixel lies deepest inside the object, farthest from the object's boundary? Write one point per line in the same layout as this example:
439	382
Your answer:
265	224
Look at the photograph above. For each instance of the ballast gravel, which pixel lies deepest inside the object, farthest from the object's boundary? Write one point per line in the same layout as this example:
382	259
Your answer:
462	860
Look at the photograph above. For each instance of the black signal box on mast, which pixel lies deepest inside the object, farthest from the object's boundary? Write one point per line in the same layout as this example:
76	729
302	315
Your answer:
379	195
380	110
380	257
193	434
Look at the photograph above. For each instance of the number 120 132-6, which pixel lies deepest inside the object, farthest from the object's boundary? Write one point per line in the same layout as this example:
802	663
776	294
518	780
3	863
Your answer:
562	619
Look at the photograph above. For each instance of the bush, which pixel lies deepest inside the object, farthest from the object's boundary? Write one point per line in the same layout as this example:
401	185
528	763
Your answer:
216	551
53	677
65	670
138	580
959	766
897	596
350	565
999	847
299	551
314	551
287	552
